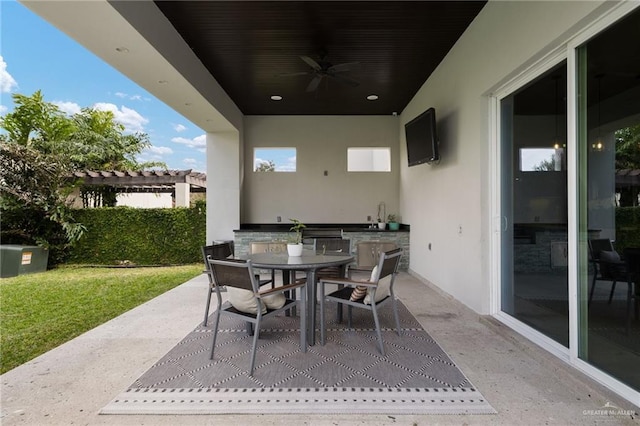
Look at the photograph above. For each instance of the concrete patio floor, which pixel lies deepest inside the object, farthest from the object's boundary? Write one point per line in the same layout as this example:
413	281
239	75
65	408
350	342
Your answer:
525	384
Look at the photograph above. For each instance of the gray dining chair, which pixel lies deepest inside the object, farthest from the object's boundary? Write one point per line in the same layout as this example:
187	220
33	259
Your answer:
368	256
631	257
386	269
239	274
601	256
268	247
330	246
214	251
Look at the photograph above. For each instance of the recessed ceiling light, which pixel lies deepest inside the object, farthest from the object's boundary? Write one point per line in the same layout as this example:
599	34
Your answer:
372	97
122	50
276	97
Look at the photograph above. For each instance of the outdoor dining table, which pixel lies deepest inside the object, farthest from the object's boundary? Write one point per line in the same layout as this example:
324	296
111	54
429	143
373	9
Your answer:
310	262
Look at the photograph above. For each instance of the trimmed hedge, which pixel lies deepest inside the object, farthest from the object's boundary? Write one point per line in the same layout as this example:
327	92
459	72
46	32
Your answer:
117	235
627	227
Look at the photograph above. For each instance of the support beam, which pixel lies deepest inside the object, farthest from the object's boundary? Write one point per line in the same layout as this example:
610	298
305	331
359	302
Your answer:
182	196
223	185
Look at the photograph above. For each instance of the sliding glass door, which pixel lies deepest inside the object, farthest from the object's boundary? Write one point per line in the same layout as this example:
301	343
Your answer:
534	205
608	76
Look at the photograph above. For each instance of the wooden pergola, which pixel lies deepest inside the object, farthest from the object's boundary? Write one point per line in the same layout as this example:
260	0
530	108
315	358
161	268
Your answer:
180	183
628	184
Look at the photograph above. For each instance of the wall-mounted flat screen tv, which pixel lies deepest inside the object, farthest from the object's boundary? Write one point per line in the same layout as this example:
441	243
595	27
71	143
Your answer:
422	139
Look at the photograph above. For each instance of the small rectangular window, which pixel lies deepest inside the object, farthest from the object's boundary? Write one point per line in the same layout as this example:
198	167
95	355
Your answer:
274	160
369	159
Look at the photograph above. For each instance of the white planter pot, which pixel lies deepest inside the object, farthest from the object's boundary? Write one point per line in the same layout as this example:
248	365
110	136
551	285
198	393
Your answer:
381	225
294	249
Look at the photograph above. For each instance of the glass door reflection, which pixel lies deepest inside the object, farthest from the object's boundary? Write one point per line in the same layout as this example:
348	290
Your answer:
534	205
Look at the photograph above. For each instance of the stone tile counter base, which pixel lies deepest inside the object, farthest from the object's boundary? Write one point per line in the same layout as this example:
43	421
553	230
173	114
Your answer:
244	237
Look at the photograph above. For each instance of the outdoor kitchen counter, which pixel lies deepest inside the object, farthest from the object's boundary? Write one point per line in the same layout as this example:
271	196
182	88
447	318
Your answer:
356	232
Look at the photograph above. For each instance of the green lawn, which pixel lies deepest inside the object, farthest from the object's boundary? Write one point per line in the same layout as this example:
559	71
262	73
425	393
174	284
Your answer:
41	311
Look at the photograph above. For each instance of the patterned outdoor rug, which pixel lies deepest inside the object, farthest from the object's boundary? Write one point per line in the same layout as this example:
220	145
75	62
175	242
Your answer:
346	376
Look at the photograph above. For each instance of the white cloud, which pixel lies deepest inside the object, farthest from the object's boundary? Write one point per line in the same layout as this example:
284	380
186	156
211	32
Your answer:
129	118
179	128
155	153
197	142
161	150
131	97
7	82
194	164
289	166
69	108
3	109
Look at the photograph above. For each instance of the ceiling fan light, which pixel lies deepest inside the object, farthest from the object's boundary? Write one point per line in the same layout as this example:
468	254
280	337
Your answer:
276	97
372	97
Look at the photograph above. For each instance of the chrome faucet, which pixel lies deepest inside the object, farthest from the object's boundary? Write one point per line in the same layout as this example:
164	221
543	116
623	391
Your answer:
382	208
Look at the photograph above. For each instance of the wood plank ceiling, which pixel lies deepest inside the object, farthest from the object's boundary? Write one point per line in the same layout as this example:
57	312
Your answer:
254	50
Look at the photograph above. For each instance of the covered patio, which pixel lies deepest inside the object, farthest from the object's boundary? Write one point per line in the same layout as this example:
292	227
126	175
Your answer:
464	232
525	384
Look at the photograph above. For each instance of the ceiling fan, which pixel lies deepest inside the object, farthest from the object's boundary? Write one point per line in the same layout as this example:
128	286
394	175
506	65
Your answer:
322	69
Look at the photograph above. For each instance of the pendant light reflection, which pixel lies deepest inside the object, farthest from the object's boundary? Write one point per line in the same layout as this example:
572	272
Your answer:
598	145
557	140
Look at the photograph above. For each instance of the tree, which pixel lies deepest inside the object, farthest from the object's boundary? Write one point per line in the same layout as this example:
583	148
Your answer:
33	192
88	140
36	123
628	148
628	157
39	151
545	165
100	143
266	166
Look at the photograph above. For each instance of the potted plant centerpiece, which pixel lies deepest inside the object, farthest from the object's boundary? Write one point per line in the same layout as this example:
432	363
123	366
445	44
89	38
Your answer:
294	246
393	222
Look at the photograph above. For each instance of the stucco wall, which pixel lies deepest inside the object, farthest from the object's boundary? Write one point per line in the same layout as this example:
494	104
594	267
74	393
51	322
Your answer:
321	143
448	205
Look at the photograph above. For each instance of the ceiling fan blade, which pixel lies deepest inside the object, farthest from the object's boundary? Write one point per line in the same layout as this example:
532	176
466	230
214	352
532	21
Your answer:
293	74
313	85
349	81
312	63
343	67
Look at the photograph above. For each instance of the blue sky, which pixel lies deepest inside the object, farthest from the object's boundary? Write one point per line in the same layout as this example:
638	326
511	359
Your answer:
34	55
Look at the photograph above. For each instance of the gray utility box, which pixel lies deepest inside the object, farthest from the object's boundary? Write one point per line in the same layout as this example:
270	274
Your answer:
17	260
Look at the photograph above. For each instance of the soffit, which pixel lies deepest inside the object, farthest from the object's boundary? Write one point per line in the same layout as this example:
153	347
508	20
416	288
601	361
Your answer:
247	46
